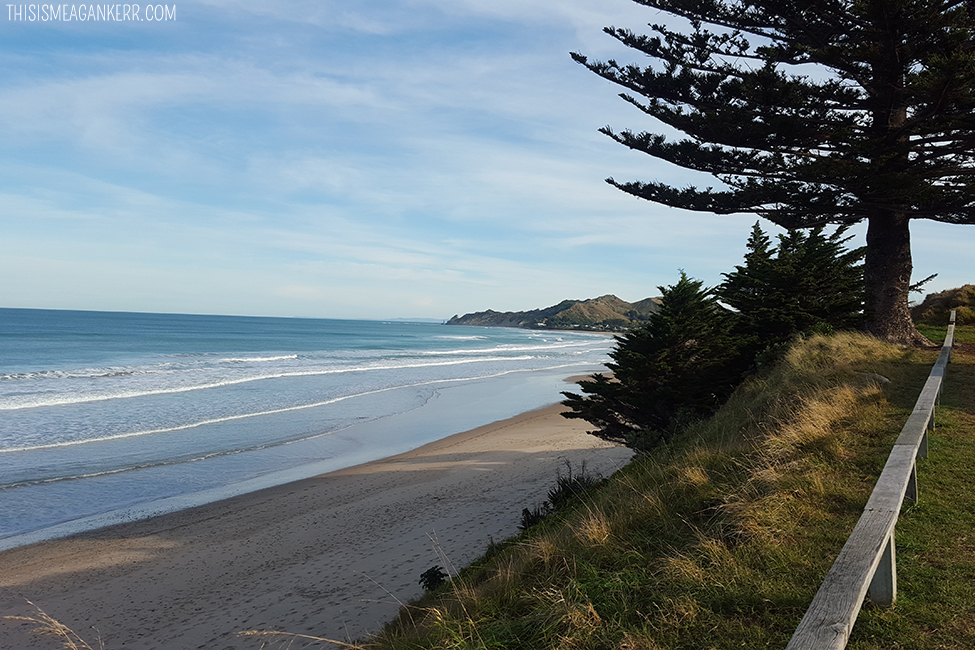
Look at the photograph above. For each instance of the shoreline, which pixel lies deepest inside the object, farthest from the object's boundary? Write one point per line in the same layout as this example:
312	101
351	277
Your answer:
327	556
63	508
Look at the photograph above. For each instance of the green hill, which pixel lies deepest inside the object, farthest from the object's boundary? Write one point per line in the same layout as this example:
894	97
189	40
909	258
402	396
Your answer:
606	313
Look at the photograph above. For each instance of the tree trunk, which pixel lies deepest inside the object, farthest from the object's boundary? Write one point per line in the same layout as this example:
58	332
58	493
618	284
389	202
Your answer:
887	276
888	266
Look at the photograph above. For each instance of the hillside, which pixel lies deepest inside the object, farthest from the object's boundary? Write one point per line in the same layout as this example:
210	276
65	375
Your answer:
721	539
606	313
935	308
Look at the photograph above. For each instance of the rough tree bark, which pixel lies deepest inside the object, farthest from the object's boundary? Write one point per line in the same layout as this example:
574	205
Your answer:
887	279
888	265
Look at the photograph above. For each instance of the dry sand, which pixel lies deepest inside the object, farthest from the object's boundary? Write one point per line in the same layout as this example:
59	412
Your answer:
327	556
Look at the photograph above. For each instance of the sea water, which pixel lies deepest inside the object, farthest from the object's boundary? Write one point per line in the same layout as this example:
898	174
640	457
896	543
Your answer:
110	417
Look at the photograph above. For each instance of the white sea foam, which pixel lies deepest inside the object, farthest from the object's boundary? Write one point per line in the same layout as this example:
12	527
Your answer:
82	373
17	402
285	357
288	409
457	337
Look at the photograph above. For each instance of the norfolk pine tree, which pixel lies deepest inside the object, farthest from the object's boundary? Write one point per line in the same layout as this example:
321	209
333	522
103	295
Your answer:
812	113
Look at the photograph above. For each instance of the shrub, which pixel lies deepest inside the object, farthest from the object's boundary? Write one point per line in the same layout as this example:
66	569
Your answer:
567	488
433	577
680	365
809	283
689	356
533	516
571	486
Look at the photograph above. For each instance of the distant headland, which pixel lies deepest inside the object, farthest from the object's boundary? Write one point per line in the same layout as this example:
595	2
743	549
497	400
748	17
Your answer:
604	314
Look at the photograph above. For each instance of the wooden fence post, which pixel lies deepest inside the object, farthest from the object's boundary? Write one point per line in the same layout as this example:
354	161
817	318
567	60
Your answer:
883	586
911	491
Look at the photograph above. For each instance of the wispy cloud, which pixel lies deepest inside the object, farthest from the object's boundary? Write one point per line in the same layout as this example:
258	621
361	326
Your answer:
322	158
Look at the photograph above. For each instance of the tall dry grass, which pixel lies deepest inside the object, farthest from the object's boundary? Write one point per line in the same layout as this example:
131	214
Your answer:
707	539
47	626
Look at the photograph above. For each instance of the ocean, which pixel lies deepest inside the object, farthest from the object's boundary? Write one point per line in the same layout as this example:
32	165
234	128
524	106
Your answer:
108	417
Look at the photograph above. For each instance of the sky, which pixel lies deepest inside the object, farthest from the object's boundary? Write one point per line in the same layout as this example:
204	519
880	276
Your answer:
342	159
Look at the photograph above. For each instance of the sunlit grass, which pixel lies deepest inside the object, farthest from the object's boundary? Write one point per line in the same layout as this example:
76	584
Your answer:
937	333
719	540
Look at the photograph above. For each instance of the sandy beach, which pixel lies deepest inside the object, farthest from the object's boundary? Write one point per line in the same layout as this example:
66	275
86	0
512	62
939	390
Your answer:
327	556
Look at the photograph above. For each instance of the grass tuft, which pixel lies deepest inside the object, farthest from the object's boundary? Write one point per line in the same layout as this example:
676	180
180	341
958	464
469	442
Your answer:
48	626
593	529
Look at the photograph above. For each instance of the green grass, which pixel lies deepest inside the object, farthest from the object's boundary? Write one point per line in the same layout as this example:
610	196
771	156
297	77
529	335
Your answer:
937	333
936	538
722	539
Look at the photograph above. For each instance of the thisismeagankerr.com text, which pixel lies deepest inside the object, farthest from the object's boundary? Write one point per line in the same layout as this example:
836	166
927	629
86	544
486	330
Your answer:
44	13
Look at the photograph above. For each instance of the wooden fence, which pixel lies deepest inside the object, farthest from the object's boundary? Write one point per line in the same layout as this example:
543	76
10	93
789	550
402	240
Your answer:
868	561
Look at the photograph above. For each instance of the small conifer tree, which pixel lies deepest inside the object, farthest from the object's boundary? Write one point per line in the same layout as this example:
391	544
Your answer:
809	282
681	364
688	357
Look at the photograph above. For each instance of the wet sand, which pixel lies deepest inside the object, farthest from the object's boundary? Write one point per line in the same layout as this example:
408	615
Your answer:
329	556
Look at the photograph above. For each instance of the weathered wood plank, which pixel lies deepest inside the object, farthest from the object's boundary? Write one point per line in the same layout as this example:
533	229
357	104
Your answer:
911	492
889	492
922	415
914	430
949	336
830	617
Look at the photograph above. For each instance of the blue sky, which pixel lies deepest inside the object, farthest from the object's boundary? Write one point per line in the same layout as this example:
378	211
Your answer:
391	158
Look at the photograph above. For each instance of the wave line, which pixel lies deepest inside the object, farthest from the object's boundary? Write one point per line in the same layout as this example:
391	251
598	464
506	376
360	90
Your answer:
286	409
67	400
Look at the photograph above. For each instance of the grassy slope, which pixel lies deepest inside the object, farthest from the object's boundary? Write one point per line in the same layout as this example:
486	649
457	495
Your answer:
721	540
936	537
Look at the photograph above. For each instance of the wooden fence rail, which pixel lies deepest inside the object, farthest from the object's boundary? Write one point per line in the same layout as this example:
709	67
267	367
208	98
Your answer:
868	561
